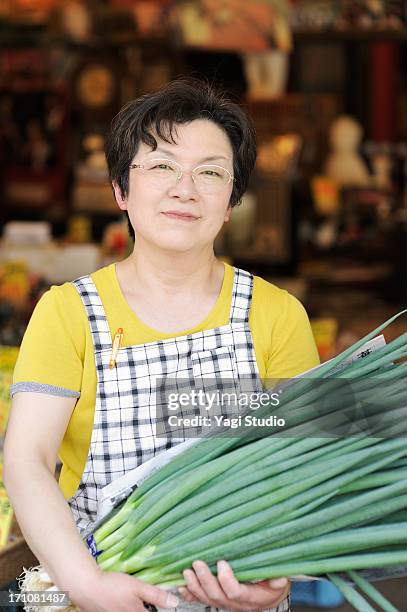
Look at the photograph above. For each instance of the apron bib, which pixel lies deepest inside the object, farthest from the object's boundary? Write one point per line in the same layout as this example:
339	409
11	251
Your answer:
126	417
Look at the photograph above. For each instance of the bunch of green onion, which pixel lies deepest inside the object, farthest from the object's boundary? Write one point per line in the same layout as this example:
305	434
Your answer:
283	505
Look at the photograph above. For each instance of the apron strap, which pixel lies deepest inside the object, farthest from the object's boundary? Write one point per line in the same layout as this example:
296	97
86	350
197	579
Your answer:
99	326
241	296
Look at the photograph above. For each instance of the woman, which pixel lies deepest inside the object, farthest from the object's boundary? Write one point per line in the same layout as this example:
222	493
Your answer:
179	160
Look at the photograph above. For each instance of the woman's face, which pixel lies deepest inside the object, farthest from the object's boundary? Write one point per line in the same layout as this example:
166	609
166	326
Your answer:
180	217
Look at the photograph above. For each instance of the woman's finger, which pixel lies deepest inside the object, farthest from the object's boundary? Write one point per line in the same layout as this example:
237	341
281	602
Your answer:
194	586
186	594
209	583
232	588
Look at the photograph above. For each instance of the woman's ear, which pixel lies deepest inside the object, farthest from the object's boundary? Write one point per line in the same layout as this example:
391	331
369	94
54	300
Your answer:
121	201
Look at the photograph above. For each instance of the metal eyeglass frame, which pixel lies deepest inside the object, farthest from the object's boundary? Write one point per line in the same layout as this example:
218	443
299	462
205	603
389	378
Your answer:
181	171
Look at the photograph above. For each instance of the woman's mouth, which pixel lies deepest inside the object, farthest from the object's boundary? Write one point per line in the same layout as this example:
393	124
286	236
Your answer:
181	216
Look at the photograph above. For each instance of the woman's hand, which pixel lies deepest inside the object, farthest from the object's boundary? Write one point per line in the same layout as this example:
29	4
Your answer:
226	592
110	591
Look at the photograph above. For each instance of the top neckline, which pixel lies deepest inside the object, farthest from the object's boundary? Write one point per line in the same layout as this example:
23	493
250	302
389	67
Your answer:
227	284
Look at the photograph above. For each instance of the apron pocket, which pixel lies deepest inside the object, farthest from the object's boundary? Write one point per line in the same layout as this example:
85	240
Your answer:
217	363
215	373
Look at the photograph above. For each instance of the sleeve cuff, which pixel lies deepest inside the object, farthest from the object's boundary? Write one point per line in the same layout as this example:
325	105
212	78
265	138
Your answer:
34	387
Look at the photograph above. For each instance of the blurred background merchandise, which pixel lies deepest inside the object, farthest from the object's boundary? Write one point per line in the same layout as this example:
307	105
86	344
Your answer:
325	82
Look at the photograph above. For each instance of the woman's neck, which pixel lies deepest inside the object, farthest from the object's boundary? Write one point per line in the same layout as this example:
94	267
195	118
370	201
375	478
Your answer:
169	275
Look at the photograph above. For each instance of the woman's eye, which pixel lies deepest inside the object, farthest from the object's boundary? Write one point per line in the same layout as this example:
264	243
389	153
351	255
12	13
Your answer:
161	167
210	173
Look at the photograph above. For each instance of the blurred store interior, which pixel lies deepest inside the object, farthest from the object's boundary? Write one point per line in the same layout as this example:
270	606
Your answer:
326	85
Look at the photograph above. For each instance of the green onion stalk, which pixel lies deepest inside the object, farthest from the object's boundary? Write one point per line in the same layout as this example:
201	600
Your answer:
326	497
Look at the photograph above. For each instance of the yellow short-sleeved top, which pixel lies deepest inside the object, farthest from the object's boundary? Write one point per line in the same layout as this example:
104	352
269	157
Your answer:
57	354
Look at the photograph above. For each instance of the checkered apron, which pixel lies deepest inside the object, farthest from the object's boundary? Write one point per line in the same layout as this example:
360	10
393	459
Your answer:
127	416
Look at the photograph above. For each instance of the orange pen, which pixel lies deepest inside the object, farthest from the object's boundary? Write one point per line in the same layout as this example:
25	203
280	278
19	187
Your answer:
117	342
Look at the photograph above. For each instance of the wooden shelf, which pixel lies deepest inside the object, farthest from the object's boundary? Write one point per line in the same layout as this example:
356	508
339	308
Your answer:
350	35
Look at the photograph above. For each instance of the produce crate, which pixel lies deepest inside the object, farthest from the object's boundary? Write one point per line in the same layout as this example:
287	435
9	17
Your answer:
14	557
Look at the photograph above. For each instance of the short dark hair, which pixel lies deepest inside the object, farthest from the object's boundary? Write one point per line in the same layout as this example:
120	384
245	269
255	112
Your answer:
180	101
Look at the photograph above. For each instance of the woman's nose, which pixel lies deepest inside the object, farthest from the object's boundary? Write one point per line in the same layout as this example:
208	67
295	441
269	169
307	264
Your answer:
184	186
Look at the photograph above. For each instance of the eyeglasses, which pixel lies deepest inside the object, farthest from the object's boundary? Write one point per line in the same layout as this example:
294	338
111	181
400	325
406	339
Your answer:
208	178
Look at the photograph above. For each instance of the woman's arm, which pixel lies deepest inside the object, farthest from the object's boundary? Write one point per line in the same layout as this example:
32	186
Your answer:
36	427
35	430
